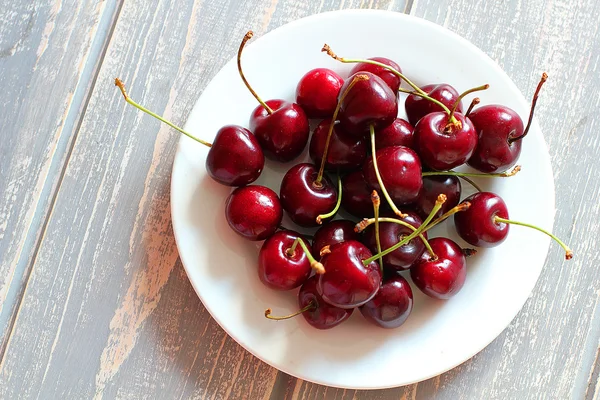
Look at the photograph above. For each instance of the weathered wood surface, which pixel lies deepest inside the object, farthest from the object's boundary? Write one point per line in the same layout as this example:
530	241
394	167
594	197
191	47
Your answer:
48	53
108	311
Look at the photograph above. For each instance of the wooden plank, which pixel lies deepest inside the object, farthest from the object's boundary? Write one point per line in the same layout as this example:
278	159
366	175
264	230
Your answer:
108	311
48	53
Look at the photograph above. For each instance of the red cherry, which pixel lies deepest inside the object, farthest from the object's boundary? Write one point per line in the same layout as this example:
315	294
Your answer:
332	233
399	133
391	79
417	107
477	225
432	187
444	276
281	265
400	171
302	198
317	92
443	145
253	212
392	305
347	282
345	153
369	102
322	315
391	233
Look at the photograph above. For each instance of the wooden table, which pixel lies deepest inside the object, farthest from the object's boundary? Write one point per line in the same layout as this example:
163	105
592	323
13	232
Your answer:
94	300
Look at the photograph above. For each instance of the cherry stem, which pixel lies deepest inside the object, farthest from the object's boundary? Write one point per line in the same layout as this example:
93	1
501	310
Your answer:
314	264
505	174
247	37
356	79
533	103
469	91
121	86
427	97
568	251
460	207
330	214
394	71
474	102
476	186
362	225
376	203
424	226
290	252
310	306
379	180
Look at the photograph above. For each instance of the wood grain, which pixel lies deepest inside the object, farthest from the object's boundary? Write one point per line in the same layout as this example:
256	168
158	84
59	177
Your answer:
48	53
108	311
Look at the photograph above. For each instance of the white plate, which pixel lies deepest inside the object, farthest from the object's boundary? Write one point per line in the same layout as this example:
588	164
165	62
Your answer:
439	335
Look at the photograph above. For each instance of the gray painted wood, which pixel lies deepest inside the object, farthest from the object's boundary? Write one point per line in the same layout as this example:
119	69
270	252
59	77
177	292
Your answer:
48	54
108	311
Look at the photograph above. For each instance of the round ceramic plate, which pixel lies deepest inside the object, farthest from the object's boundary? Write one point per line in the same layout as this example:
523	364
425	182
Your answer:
222	266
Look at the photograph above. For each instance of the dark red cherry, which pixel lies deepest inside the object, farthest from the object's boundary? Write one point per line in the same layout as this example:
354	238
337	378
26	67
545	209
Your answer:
368	102
400	171
391	233
442	145
282	134
332	233
253	212
356	195
477	226
392	80
399	133
235	158
302	198
418	107
345	153
432	187
347	282
317	92
443	277
322	315
392	305
280	265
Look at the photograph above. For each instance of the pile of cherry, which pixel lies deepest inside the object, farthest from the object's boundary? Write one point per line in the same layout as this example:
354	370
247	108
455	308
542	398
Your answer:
371	151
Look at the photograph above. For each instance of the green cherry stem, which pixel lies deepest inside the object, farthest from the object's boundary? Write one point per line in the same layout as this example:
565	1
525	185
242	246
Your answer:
290	252
310	306
379	180
461	207
463	94
376	203
568	251
356	79
330	214
317	266
247	37
533	103
438	204
121	86
505	174
470	181
474	102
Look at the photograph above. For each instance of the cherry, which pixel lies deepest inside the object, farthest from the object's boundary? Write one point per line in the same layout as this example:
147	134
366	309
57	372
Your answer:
443	275
253	212
282	264
234	158
399	133
391	233
347	282
356	195
303	197
417	106
432	187
486	223
344	153
332	233
392	305
314	309
391	79
317	92
500	131
371	102
400	171
442	144
281	127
